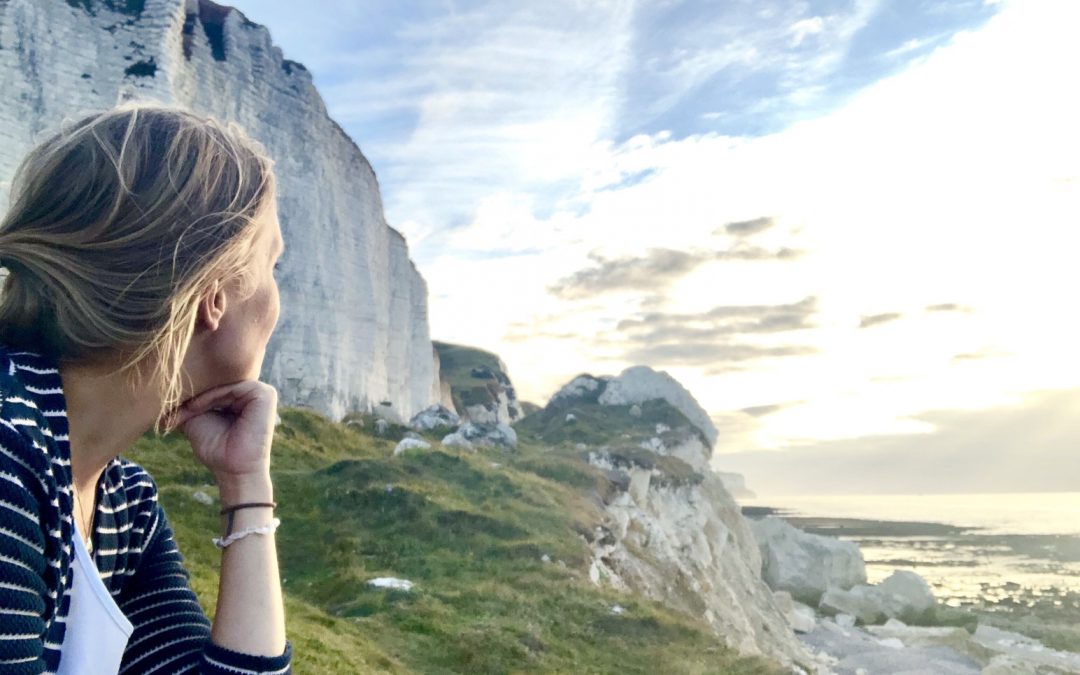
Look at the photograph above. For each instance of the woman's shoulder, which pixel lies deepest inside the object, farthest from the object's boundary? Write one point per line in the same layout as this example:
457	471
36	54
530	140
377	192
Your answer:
26	394
136	482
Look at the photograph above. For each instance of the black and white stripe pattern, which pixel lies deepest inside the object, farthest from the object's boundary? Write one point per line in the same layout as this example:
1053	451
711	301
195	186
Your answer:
134	548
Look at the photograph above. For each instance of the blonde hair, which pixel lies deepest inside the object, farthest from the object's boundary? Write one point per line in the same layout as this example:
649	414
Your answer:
118	224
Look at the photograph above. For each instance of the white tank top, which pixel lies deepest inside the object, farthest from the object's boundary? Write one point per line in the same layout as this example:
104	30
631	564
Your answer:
97	631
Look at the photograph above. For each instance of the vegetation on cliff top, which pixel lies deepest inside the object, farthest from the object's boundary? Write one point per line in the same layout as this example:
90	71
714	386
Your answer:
471	530
474	375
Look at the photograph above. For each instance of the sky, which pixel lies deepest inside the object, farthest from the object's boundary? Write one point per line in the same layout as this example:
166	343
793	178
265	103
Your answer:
849	228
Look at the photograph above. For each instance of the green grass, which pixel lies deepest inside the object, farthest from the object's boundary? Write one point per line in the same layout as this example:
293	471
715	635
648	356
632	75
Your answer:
469	529
597	424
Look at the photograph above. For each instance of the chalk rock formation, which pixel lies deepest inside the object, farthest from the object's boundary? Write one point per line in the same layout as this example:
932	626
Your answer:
410	444
496	435
903	595
479	387
353	331
633	386
433	417
942	650
736	485
677	536
806	565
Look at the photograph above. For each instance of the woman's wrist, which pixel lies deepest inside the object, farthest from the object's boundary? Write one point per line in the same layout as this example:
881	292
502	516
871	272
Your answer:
238	489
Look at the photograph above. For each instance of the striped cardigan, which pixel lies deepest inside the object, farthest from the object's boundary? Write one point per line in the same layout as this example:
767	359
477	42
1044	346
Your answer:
136	555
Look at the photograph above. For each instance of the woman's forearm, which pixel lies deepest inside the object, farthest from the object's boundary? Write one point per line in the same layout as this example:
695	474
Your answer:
250	615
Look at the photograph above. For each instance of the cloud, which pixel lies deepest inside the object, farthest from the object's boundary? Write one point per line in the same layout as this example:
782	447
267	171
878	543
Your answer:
1029	445
728	319
658	267
978	355
716	338
948	307
762	410
878	319
705	353
745	228
743	252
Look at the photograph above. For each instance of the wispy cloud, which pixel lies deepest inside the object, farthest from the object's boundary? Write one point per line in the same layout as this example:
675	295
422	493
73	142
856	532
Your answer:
762	410
657	268
715	338
948	307
878	319
744	228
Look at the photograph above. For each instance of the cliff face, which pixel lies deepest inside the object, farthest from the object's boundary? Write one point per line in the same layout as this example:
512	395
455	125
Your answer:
354	330
670	528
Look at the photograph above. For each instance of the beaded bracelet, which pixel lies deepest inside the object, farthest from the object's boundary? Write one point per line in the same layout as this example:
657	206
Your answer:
264	529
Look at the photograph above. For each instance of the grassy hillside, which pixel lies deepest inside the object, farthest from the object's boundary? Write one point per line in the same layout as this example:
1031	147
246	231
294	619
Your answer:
469	529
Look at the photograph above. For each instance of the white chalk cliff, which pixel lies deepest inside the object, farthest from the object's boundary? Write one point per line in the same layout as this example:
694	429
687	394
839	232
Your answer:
671	530
353	333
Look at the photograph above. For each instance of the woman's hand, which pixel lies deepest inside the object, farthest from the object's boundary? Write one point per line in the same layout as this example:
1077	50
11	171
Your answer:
230	428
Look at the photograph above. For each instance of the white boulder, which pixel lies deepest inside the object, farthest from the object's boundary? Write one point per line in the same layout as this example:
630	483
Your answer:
805	565
456	440
391	583
803	619
902	595
409	444
498	435
434	416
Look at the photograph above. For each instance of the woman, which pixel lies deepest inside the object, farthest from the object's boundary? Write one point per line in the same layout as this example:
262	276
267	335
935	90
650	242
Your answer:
140	246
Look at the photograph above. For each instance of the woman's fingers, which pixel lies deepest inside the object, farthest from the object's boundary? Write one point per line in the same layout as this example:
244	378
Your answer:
223	396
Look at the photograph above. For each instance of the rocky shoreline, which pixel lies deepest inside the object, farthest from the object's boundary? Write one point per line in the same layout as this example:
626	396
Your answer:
853	627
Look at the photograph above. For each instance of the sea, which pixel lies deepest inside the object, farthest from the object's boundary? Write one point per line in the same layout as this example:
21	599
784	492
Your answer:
1000	551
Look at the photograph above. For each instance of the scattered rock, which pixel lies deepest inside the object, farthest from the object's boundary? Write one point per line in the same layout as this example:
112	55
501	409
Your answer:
571	417
381	426
391	583
635	410
903	595
545	558
806	565
581	446
661	428
410	443
498	435
202	497
802	618
618	609
456	440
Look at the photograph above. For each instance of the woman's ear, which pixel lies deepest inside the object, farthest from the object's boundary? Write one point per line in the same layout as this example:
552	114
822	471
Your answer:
212	307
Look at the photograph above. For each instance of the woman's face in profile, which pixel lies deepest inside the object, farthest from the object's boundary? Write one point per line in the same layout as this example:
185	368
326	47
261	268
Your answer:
246	326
